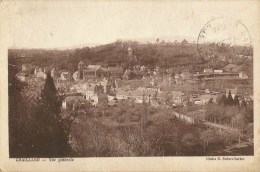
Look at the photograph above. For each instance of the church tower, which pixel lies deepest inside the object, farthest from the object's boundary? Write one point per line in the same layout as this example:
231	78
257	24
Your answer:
81	69
130	52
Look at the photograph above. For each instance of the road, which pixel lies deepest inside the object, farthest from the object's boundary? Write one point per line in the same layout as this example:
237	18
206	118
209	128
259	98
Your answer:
238	149
220	126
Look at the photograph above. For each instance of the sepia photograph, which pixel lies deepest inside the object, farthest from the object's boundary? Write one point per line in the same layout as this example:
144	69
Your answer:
130	79
176	95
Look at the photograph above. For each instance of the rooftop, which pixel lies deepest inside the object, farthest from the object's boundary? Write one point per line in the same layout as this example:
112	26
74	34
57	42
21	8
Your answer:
74	98
95	67
112	69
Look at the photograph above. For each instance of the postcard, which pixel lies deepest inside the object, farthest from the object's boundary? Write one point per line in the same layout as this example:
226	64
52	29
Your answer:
129	85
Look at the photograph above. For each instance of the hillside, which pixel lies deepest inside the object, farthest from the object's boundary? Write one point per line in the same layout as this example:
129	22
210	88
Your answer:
176	55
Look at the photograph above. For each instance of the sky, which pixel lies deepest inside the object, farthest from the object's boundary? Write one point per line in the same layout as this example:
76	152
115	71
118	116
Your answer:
57	24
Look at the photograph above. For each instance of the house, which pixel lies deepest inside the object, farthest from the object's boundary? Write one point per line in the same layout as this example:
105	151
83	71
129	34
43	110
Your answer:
157	69
116	72
36	70
118	82
74	102
155	102
41	74
96	67
208	70
143	68
154	81
92	72
75	76
178	79
106	84
65	76
53	73
123	94
177	76
218	71
138	96
205	98
242	75
105	72
146	89
126	75
176	97
21	76
233	92
91	94
111	97
24	68
113	102
137	67
144	94
197	101
192	81
147	79
185	75
167	81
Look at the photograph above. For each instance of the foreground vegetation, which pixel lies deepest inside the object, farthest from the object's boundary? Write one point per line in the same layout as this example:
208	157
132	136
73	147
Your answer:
36	128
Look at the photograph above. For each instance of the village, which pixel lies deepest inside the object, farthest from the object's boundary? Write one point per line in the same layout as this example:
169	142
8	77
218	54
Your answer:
159	87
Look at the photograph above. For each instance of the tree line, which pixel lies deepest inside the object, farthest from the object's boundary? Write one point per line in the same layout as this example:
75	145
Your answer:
114	54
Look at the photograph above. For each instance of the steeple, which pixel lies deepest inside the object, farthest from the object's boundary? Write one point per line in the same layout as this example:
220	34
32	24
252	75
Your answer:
130	52
80	69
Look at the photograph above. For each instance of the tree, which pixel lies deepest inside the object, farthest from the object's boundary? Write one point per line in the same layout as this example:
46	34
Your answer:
249	131
49	137
189	142
239	121
49	96
229	100
248	111
184	42
243	102
210	101
207	137
222	100
157	40
17	116
203	85
228	136
236	101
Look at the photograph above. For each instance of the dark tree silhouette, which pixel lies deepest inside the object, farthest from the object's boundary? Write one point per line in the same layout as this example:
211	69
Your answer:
229	100
157	40
17	114
49	96
49	136
236	101
211	101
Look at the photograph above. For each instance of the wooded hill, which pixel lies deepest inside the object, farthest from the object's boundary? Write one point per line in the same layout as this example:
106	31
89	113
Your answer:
176	55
